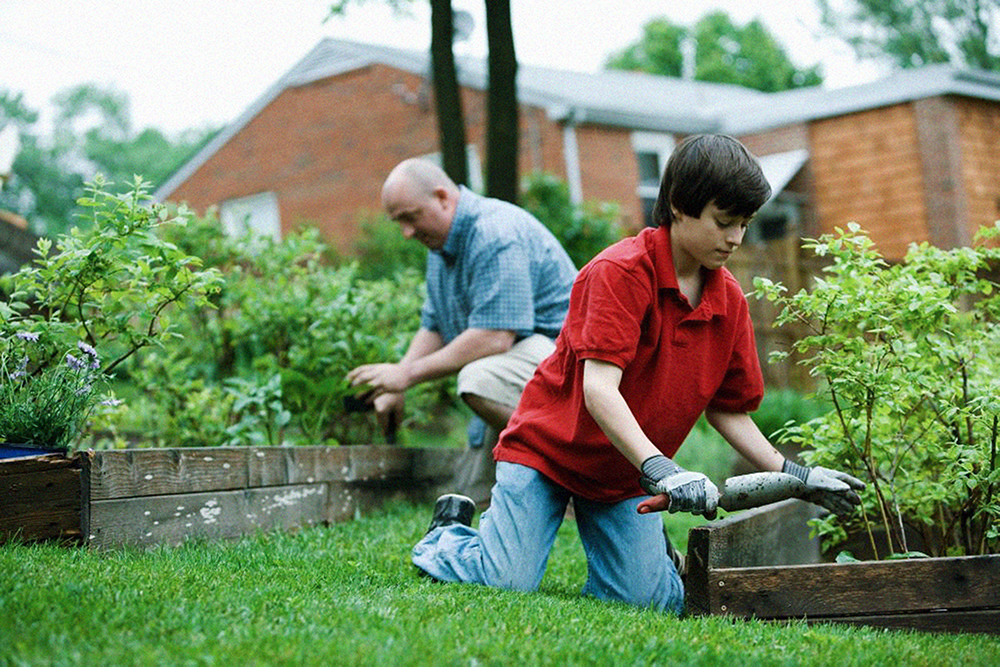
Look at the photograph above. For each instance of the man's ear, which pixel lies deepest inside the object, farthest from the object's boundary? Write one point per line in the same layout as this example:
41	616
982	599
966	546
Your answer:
445	199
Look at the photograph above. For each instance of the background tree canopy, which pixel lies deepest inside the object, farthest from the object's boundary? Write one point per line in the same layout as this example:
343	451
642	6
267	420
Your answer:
723	52
912	33
91	132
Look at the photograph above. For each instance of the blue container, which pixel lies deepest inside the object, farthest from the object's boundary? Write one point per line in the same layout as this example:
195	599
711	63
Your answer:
16	451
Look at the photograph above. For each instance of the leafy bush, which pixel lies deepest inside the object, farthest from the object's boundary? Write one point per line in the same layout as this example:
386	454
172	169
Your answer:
908	353
782	408
285	329
106	291
583	230
383	251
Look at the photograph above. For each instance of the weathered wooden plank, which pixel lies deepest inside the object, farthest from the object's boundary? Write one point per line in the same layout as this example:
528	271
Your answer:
776	534
170	519
436	465
20	465
847	589
980	621
350	500
151	472
380	463
42	503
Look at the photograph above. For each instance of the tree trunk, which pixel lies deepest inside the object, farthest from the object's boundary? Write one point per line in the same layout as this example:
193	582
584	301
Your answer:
502	111
447	96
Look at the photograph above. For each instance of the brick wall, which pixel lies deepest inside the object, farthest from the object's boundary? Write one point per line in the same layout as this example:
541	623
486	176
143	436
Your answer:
979	127
325	148
867	169
609	171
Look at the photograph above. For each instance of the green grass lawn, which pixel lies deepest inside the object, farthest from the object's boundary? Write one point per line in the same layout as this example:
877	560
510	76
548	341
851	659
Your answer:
348	595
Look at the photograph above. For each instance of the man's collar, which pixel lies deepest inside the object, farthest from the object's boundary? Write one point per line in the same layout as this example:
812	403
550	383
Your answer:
460	225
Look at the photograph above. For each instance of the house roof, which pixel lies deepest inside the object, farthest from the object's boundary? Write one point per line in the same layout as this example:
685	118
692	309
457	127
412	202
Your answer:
624	99
806	104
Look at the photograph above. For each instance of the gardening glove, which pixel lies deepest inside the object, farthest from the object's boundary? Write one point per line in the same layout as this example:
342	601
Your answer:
834	490
688	491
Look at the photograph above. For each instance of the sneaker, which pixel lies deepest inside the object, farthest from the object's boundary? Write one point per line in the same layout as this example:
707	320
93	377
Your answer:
676	556
452	508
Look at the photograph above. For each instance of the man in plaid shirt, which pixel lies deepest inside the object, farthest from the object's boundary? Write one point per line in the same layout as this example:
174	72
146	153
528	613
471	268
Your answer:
498	285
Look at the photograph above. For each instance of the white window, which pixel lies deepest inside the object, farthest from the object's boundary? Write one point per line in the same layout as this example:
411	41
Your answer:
652	150
256	215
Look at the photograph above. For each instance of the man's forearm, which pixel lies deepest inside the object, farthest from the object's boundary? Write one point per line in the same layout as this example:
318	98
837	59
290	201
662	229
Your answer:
447	360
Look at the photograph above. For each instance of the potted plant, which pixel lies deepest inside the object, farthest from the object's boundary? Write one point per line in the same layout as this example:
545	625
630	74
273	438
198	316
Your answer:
45	396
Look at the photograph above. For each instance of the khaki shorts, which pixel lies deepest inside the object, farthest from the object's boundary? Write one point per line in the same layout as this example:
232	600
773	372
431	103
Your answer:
501	377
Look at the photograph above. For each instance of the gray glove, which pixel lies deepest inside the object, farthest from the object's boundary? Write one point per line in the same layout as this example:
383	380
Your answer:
832	489
688	491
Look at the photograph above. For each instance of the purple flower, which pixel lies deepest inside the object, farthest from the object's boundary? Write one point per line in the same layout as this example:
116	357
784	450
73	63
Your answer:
111	402
27	335
75	363
95	362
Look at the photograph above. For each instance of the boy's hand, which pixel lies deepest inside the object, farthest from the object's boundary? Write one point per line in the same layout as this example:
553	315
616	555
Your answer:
832	489
688	491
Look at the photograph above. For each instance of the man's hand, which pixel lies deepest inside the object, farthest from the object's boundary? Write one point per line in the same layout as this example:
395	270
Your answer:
686	491
382	378
832	489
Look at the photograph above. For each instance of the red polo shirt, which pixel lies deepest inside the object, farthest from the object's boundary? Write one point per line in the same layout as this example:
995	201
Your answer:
626	309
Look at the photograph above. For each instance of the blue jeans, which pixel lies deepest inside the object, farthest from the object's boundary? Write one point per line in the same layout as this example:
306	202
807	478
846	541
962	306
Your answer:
626	553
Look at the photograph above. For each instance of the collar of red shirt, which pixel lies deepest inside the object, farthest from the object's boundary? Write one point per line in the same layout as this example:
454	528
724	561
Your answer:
713	295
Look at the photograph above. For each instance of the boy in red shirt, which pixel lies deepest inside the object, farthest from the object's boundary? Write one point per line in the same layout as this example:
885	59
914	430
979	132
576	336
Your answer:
657	333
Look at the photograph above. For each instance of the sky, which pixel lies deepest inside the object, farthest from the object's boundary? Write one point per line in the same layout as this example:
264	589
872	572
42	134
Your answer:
196	63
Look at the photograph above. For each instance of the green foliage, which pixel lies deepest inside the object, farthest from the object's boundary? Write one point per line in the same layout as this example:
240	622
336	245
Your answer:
277	341
908	354
913	33
107	291
782	408
583	230
724	52
91	134
383	252
111	285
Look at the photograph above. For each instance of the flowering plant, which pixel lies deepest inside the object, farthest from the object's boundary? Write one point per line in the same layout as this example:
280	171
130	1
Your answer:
46	403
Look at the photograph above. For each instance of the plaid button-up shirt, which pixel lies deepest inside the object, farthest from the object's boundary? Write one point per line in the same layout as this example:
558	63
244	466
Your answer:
500	268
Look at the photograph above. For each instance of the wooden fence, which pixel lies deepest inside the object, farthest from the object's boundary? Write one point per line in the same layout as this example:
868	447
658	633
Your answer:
781	261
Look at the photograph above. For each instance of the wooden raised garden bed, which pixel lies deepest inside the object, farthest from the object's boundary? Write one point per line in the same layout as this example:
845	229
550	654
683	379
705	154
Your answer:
762	564
163	496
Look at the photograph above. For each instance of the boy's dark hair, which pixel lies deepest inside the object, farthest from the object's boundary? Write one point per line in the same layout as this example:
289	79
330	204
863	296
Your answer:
709	168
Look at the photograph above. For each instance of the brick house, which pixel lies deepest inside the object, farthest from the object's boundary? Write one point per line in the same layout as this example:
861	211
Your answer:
915	157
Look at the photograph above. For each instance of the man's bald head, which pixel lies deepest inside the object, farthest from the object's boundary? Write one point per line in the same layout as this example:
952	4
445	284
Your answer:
421	175
421	197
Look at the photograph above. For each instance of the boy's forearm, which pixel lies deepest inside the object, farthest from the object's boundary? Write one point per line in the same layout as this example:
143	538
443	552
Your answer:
740	431
607	406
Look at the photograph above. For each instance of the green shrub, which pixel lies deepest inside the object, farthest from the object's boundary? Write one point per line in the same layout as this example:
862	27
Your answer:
277	343
908	354
383	251
583	230
782	408
109	290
